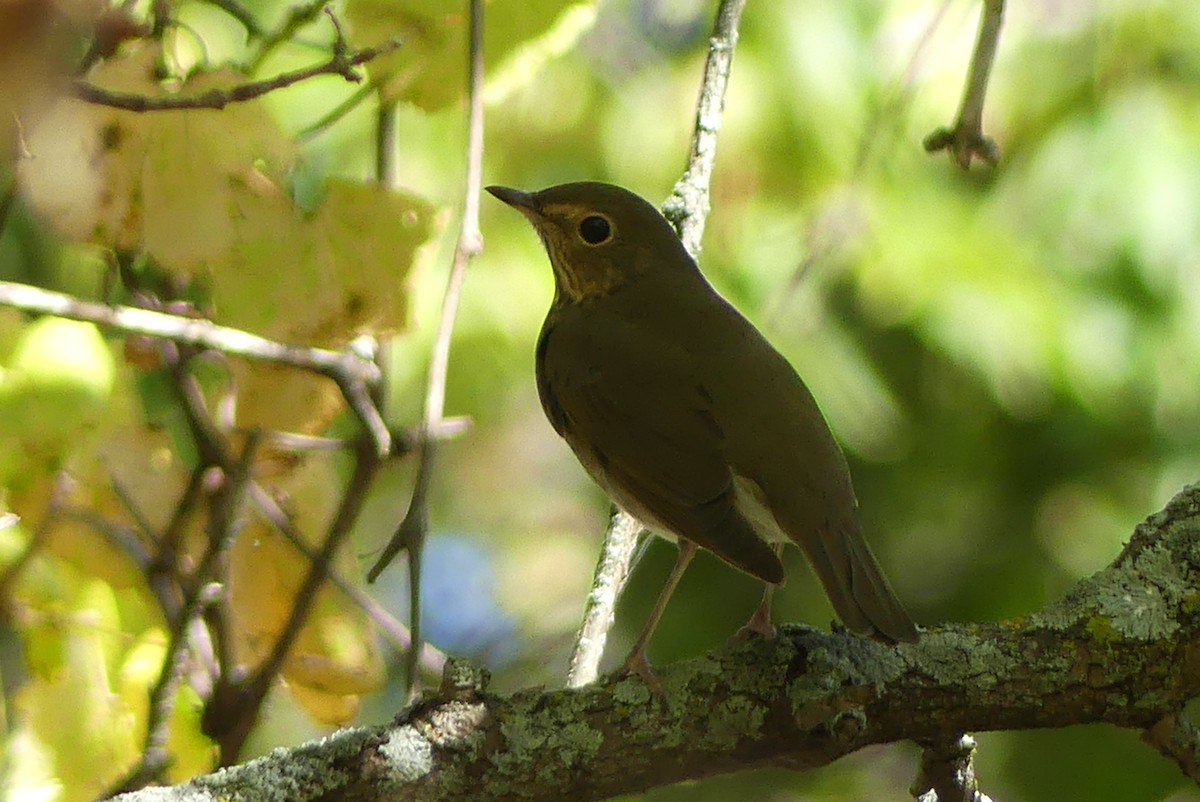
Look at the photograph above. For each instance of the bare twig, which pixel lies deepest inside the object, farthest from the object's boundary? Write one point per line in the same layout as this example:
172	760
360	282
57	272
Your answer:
237	700
133	510
172	537
896	101
404	441
352	373
687	208
947	772
410	535
155	758
965	140
340	63
242	14
432	660
298	16
612	570
1177	738
126	540
385	142
199	588
338	112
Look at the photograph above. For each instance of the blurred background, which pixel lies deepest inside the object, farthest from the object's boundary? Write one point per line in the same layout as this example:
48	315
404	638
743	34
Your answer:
1010	356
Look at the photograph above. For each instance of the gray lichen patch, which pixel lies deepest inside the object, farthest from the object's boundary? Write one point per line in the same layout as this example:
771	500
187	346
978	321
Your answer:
731	720
531	734
1140	598
954	658
1137	599
631	691
854	660
408	753
457	725
292	773
1137	612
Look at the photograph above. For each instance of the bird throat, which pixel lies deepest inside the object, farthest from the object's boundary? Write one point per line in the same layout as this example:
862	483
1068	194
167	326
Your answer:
582	282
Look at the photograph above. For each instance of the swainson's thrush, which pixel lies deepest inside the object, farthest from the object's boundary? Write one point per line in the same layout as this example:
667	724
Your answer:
683	412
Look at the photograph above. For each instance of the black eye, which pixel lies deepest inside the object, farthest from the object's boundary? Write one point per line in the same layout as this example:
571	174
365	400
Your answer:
594	229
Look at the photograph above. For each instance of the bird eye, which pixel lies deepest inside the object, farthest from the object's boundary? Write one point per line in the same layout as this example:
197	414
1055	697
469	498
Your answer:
594	229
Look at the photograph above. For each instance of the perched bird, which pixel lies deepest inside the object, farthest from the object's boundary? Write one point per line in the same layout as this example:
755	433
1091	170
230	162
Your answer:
685	415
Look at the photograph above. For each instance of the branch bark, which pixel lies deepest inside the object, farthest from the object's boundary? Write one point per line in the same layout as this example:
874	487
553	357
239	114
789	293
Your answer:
1123	648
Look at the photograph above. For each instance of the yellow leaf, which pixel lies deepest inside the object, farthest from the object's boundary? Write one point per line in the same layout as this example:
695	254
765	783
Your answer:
97	741
327	708
336	653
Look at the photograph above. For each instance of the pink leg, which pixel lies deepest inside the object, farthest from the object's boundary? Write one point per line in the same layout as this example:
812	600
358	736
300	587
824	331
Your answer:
636	661
760	622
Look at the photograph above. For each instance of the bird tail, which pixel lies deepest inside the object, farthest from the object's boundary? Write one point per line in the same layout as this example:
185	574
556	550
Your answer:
855	584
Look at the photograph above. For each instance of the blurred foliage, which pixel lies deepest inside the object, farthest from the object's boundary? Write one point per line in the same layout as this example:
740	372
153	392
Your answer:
1011	357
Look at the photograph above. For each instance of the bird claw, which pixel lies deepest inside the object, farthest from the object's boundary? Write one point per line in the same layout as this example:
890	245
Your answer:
759	625
636	663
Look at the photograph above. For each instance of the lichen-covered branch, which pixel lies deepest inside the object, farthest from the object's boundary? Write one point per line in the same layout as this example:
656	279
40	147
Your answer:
1122	648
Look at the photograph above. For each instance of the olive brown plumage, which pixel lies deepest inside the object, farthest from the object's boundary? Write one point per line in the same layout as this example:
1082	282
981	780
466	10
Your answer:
684	413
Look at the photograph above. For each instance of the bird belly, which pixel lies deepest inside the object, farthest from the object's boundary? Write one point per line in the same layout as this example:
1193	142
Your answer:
620	496
748	498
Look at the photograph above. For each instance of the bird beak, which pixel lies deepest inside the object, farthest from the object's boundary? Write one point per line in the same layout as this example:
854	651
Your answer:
521	201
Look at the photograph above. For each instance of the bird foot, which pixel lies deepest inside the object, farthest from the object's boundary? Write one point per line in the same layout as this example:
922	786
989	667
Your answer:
637	663
759	625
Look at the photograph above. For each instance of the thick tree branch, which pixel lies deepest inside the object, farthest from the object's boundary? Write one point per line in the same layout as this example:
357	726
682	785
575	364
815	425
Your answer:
1123	647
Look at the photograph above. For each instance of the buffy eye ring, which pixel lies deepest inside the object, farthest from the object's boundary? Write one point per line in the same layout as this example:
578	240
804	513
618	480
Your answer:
595	229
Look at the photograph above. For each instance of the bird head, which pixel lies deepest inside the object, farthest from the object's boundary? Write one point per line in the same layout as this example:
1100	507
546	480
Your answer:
599	237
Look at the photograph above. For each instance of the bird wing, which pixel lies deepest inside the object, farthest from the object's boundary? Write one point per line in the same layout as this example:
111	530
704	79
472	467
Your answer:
632	409
780	441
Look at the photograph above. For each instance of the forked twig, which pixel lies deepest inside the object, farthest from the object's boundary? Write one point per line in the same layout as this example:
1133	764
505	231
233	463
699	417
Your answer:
342	62
965	139
410	535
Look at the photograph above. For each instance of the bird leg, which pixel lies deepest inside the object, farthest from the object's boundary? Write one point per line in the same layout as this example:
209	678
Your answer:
636	662
760	622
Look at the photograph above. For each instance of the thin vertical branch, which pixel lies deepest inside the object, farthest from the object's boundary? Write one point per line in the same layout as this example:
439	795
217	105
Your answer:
386	173
612	570
410	535
965	139
687	208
